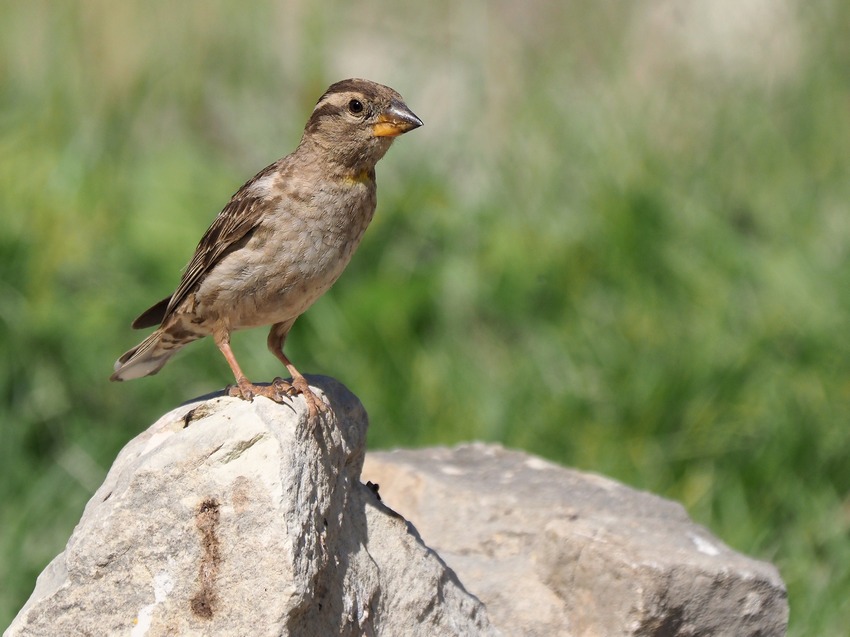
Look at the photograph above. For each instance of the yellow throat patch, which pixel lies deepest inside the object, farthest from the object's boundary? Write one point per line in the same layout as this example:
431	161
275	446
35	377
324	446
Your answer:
357	179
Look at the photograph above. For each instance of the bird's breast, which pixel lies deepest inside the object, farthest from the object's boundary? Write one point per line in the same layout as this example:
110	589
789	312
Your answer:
293	257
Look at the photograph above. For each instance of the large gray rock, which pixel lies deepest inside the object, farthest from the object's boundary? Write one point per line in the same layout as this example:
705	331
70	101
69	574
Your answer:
235	518
552	551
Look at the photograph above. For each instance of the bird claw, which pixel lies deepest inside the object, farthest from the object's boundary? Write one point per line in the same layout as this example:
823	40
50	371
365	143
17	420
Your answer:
281	391
234	391
315	405
248	391
284	387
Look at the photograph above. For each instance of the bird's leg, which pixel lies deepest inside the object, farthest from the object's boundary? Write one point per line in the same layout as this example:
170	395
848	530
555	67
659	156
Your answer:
299	384
245	389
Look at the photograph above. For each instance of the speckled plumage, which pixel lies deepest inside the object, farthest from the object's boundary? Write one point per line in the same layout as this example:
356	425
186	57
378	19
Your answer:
282	240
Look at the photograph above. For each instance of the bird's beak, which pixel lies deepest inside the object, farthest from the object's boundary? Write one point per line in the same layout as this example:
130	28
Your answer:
395	120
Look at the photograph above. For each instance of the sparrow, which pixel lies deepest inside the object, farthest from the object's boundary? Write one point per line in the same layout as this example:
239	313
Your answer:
281	241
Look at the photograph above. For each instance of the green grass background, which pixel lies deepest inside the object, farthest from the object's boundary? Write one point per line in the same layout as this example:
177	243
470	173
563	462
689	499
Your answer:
621	241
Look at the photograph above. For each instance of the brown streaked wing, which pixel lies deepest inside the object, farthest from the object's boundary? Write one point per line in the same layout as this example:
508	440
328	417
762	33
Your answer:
234	222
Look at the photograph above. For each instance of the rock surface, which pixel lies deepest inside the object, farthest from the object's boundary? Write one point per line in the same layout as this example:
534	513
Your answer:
235	518
553	551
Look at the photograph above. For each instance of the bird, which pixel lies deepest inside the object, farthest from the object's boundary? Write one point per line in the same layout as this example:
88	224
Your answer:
281	242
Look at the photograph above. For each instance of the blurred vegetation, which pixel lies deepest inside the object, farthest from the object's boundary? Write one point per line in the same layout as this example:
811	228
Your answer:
621	241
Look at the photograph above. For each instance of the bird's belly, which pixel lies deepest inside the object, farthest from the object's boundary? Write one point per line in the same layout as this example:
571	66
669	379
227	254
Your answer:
270	303
262	287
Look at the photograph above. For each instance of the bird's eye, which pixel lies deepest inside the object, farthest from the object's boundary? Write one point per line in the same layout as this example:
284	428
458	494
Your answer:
355	107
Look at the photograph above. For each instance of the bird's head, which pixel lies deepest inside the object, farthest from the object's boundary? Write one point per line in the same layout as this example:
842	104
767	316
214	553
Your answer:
355	122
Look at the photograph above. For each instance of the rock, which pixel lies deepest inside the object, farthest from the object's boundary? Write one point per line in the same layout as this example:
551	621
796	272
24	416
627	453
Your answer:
553	551
234	518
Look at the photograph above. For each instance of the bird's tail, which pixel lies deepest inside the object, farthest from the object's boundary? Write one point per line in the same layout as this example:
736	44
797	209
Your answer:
148	357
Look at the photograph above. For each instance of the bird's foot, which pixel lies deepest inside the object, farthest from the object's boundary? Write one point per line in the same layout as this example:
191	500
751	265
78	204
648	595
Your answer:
246	390
299	385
